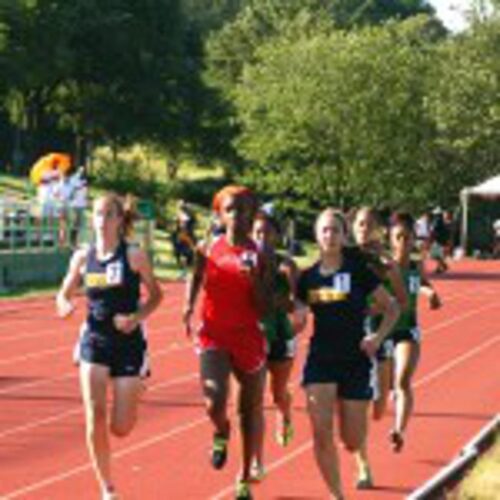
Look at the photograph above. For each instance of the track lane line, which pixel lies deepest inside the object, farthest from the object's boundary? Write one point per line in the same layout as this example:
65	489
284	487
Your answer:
419	383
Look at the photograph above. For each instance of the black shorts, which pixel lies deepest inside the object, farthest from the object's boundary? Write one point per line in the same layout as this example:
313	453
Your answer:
282	349
385	350
355	378
406	335
124	355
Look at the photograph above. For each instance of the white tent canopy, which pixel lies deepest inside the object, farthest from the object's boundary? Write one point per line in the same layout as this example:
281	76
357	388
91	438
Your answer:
489	189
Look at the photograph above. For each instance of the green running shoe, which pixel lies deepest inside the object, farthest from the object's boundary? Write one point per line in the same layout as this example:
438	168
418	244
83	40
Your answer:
257	472
219	451
285	433
243	490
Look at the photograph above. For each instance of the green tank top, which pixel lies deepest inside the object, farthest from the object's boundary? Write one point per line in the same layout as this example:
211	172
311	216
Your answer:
276	324
408	317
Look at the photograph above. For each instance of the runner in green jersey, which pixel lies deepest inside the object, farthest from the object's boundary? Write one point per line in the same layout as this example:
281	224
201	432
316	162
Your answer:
406	335
368	235
279	332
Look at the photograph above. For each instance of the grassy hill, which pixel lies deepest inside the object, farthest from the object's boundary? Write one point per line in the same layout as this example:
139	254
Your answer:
144	173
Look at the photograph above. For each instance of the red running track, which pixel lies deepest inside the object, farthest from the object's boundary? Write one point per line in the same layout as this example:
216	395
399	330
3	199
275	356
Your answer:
42	451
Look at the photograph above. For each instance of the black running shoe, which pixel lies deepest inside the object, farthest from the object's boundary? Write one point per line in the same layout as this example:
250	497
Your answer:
397	441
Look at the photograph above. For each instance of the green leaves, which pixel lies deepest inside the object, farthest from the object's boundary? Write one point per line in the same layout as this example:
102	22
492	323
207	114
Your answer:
342	111
396	114
109	70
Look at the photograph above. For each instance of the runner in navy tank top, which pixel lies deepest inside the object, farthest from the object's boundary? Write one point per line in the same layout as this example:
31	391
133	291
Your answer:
112	288
112	345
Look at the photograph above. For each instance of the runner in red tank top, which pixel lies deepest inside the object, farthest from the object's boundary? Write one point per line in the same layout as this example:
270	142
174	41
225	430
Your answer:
229	298
232	274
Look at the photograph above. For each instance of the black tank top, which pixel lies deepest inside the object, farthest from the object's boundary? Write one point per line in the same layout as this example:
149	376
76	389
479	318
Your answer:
111	286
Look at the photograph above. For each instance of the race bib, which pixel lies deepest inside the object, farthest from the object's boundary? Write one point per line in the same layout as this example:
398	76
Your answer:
414	285
114	273
342	282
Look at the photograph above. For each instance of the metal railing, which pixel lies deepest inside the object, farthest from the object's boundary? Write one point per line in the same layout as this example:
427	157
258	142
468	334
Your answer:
24	228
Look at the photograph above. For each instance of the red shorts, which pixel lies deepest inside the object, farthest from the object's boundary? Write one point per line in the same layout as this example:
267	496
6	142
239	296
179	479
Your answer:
246	346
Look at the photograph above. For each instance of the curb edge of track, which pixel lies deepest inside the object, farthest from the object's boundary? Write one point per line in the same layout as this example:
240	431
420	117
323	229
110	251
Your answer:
448	475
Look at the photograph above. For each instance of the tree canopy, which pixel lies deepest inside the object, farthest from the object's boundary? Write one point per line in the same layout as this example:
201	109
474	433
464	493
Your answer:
311	101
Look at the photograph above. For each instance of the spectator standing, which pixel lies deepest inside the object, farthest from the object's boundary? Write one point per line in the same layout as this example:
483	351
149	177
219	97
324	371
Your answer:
423	233
78	203
46	192
496	239
62	195
440	237
183	237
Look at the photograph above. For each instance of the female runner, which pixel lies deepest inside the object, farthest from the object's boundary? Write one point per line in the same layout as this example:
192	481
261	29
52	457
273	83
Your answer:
405	336
231	272
279	332
368	235
112	348
337	373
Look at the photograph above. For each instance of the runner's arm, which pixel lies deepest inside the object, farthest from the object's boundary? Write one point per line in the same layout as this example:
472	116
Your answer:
390	309
70	283
428	290
193	286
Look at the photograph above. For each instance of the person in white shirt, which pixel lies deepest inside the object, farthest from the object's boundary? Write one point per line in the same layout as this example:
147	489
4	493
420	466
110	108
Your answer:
46	193
423	233
78	202
496	239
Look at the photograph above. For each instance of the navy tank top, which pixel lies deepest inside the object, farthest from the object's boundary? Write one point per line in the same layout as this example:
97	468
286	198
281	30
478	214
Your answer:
112	287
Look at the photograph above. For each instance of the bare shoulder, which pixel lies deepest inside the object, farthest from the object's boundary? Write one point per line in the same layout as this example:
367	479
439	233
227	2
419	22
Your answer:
80	254
137	256
78	260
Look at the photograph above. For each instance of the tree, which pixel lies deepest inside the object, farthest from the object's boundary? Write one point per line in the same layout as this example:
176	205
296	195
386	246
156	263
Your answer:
229	49
464	105
107	70
233	47
340	117
206	15
350	13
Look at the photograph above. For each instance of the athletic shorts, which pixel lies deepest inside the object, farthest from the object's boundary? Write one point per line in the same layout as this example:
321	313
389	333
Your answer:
406	335
282	349
124	355
246	346
355	379
385	350
436	251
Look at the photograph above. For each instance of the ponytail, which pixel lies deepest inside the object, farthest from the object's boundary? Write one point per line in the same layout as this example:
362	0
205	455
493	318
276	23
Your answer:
129	205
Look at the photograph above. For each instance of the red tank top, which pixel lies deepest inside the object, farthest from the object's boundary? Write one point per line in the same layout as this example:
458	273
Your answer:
229	297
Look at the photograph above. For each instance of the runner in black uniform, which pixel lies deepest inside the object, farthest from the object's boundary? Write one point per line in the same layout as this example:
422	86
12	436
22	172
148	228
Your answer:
279	332
112	342
338	366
